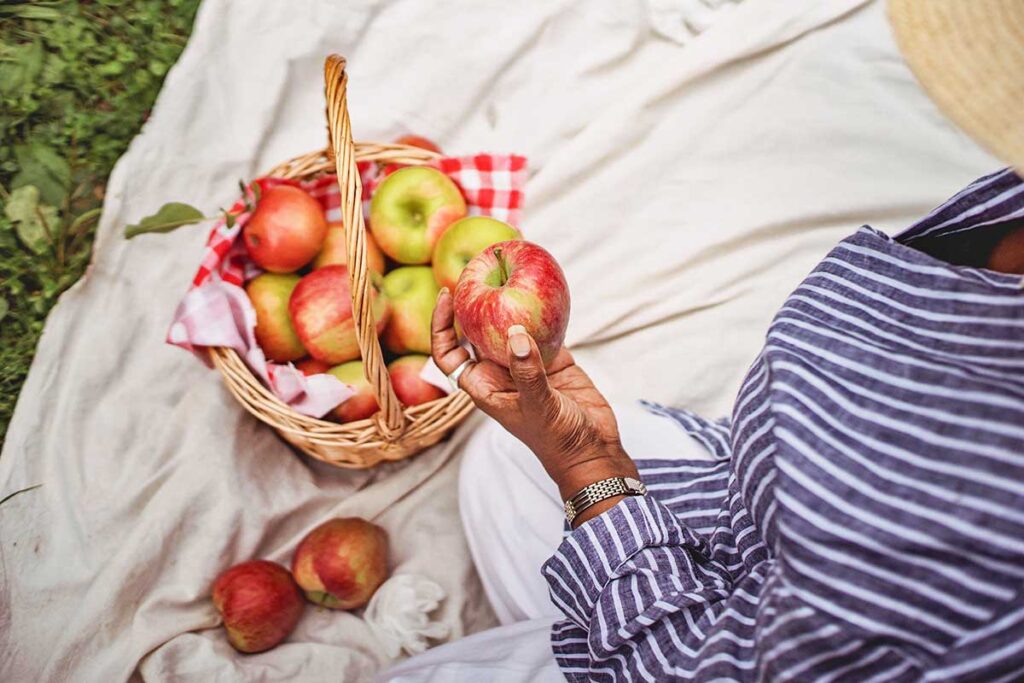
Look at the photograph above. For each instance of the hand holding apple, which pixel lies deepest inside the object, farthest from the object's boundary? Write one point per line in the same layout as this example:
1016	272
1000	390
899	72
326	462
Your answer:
512	283
286	230
260	604
342	562
554	409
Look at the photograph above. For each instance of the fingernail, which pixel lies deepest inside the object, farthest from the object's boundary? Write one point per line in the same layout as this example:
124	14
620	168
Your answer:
519	341
441	293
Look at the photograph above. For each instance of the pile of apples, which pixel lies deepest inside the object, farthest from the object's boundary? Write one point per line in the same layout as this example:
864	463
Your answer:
339	565
419	239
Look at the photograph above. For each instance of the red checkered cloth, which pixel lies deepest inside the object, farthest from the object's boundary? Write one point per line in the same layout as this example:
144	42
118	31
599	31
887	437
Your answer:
216	311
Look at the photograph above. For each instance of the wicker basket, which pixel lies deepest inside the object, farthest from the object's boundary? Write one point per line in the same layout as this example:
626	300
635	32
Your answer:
393	433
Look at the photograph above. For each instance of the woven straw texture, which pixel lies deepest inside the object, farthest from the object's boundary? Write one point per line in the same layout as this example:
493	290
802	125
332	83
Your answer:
393	433
969	56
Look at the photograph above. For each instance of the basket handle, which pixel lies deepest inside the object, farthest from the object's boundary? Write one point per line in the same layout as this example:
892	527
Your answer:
390	419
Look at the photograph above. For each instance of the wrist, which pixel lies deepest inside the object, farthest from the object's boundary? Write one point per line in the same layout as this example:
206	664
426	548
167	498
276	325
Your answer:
592	468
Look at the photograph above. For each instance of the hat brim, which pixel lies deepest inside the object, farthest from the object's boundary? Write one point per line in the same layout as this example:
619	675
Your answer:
969	57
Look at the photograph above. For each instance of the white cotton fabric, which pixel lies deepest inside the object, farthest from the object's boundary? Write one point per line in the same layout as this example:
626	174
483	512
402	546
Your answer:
685	186
400	614
516	653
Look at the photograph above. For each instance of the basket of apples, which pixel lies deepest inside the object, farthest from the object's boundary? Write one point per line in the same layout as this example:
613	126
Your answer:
337	300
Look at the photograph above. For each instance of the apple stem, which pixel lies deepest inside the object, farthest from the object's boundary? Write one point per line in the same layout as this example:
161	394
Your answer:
502	267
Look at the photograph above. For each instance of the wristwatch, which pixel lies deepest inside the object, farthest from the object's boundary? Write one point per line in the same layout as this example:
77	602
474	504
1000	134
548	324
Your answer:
602	490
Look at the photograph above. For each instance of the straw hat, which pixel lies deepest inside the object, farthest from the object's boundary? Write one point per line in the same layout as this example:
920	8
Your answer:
969	56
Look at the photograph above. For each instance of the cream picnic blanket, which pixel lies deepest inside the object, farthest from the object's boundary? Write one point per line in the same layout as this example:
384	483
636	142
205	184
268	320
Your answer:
690	163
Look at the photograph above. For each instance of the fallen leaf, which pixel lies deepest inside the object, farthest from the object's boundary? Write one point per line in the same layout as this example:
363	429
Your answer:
170	216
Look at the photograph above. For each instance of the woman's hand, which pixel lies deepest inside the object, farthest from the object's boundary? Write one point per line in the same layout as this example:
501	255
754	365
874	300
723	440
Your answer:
558	414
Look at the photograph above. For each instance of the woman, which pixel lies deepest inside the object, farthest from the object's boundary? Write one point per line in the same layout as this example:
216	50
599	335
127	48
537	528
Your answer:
860	517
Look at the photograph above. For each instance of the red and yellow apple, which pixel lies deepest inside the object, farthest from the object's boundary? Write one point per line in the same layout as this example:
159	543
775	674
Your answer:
342	562
269	294
286	230
334	253
412	293
259	603
512	283
411	209
321	311
419	141
410	388
463	241
363	403
312	366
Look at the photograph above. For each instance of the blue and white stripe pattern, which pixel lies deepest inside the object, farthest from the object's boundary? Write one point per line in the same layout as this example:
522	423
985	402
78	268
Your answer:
864	518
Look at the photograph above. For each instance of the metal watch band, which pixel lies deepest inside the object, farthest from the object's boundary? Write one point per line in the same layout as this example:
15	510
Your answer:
602	490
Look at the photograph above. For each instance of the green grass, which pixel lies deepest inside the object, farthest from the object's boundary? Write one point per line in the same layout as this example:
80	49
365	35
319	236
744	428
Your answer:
77	80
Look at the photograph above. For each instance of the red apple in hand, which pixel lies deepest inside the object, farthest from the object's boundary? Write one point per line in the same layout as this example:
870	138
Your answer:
363	403
342	562
410	388
321	310
269	294
334	251
512	283
411	209
286	230
260	604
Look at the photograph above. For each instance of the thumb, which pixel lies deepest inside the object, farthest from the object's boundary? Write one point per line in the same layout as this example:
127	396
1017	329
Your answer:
527	369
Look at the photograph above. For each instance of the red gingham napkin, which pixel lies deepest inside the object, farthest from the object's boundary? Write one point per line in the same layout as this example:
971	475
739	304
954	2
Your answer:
216	312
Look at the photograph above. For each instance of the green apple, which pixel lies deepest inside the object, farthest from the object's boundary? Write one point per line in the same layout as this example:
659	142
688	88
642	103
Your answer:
463	241
411	210
411	291
269	294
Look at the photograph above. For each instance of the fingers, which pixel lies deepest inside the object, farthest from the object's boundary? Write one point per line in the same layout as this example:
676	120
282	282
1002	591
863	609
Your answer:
444	342
527	370
479	382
